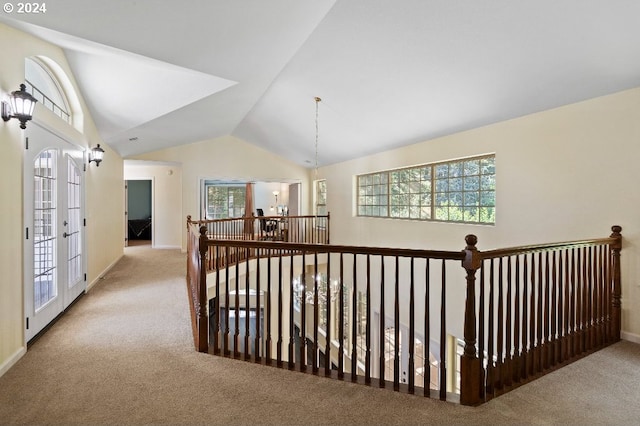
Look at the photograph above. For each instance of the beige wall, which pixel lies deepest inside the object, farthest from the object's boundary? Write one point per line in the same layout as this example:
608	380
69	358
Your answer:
166	181
563	174
103	188
225	158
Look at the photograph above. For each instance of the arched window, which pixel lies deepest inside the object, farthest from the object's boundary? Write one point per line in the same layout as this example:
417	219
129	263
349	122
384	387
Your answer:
42	85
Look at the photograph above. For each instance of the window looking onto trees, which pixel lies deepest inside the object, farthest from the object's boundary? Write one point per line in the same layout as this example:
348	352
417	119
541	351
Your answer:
321	197
225	201
452	191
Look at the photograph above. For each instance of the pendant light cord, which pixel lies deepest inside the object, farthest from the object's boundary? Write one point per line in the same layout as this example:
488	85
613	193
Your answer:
315	183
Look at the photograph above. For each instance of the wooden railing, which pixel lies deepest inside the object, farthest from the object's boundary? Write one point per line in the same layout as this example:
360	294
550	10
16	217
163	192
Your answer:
538	308
292	229
338	311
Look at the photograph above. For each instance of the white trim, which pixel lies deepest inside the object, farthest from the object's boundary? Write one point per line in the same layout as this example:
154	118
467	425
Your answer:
631	337
101	275
10	362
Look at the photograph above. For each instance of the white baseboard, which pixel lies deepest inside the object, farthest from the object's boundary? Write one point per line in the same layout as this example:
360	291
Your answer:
168	247
5	366
625	335
102	274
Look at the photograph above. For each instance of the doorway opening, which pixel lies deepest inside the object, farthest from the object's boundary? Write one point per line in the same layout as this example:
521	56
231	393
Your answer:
139	213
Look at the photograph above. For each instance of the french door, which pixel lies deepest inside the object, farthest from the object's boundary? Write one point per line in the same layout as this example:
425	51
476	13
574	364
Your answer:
54	221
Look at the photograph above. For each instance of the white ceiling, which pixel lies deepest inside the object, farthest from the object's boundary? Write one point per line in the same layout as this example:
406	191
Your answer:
389	73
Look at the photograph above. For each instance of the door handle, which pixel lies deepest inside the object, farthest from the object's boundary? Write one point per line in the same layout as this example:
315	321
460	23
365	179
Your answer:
65	235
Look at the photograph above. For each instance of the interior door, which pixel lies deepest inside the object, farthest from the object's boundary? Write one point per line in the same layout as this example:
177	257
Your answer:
54	221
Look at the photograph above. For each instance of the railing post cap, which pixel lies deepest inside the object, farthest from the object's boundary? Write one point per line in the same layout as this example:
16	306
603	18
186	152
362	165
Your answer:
616	229
203	230
471	241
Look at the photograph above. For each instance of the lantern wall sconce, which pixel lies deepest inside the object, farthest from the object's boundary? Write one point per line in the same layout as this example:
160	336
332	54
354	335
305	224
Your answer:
20	106
96	154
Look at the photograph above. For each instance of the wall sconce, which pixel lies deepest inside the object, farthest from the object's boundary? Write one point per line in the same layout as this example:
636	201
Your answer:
20	106
96	155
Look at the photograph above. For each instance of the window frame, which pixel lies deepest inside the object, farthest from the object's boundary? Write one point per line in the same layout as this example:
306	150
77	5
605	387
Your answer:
423	192
228	187
62	111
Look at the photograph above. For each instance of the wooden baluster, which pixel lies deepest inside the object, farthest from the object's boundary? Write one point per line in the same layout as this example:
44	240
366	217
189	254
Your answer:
247	309
584	306
381	341
443	336
573	315
411	371
508	372
303	315
258	309
340	320
533	347
226	349
470	368
292	332
616	247
566	327
491	364
517	359
236	336
280	312
553	351
203	319
539	325
268	309
316	317
396	325
426	350
599	298
524	371
500	367
481	333
546	334
589	313
606	294
367	357
216	313
354	322
327	350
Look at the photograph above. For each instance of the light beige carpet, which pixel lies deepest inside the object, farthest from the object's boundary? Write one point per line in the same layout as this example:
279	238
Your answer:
124	355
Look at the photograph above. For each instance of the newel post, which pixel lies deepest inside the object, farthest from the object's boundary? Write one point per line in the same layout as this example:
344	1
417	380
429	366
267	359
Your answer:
616	292
203	320
470	374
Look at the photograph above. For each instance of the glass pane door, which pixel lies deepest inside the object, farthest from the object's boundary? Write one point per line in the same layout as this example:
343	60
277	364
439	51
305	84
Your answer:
72	224
45	196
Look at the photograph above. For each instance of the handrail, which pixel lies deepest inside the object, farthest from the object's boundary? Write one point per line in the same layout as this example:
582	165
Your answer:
325	248
534	248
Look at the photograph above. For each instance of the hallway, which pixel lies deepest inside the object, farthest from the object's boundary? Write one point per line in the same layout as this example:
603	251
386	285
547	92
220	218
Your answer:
124	355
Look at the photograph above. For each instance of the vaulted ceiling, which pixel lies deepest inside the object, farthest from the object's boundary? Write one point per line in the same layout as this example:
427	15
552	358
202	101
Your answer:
389	73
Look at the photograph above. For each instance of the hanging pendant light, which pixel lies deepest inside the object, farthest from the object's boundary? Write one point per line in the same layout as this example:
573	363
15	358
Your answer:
315	177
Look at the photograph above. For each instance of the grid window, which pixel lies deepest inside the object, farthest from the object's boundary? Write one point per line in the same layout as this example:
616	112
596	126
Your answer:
453	191
225	201
373	194
321	197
